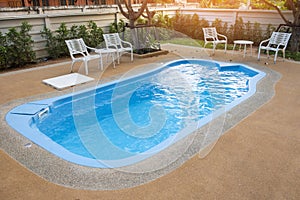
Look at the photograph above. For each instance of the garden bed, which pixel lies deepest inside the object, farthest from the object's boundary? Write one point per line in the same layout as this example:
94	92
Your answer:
148	52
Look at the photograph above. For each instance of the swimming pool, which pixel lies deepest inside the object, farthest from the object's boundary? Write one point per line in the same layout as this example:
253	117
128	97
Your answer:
124	122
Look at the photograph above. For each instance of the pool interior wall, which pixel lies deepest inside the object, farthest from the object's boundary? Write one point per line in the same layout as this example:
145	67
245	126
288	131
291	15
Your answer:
51	167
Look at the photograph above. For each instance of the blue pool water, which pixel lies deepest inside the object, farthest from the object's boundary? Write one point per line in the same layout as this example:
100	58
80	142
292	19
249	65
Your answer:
126	121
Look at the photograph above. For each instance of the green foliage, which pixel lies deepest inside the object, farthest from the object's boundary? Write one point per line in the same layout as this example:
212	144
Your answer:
18	46
141	20
117	27
161	20
202	24
95	35
62	34
185	41
258	4
269	31
192	27
293	55
3	55
221	28
164	24
238	29
56	46
256	33
51	43
195	30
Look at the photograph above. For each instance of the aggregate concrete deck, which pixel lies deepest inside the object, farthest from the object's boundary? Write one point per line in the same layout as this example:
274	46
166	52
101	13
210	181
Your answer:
256	159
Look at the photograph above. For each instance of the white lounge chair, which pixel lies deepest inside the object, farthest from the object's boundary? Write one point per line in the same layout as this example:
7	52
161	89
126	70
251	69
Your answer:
211	36
277	41
113	41
79	53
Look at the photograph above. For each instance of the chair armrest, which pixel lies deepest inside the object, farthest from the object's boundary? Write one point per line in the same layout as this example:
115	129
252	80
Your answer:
78	52
210	37
91	48
128	43
264	41
222	35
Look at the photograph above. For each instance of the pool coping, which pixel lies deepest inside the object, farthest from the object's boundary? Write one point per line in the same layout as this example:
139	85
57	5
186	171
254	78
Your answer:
67	174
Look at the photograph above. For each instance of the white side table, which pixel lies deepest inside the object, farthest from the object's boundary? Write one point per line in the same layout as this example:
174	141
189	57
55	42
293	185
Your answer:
243	42
107	51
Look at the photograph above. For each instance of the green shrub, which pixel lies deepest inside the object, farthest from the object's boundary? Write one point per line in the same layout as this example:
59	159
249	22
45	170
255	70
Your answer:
19	45
202	24
164	24
3	53
56	46
256	34
239	29
117	27
95	34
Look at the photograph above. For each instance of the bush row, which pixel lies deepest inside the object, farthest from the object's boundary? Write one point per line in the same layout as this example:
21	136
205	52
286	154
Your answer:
16	46
56	46
191	25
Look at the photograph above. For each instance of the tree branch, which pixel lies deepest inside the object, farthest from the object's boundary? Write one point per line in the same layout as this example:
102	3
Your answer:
279	11
292	6
143	7
121	9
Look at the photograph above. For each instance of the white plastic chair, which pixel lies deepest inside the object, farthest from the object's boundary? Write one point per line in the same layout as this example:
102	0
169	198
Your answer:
277	41
79	53
211	36
113	40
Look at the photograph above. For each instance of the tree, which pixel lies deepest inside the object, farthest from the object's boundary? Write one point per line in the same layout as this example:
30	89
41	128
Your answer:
139	40
131	15
293	5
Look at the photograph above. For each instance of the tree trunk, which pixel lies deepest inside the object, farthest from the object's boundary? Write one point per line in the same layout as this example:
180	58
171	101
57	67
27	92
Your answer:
295	39
295	7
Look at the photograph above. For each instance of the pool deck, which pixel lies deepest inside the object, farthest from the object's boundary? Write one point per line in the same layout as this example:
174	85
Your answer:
259	158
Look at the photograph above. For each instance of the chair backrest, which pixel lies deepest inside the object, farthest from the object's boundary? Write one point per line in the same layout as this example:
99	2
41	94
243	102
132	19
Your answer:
112	39
279	38
210	32
77	46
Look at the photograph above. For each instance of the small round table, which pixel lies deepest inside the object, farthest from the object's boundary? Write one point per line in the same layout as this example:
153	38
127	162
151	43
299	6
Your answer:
107	51
243	42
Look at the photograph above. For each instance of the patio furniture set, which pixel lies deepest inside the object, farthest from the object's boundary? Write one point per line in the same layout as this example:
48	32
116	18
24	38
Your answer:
79	51
277	42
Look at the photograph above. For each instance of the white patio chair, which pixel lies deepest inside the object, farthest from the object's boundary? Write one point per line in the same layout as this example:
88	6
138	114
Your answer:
79	53
113	40
277	41
211	36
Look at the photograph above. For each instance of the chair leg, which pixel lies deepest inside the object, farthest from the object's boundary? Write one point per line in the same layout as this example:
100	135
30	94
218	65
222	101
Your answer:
275	57
131	55
101	63
113	59
225	47
118	56
86	67
258	55
214	47
72	67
